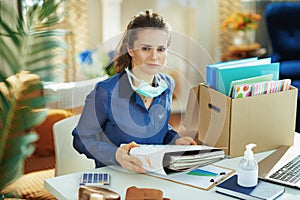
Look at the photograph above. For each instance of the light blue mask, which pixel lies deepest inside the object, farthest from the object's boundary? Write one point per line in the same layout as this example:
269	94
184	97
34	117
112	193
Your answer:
144	88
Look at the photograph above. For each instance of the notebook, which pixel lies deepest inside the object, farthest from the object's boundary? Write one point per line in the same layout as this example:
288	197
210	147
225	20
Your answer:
263	189
282	166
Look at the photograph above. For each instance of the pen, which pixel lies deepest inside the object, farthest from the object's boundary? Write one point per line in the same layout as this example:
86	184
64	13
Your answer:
218	177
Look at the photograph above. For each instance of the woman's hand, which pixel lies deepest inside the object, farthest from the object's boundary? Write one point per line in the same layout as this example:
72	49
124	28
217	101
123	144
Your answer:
185	141
127	161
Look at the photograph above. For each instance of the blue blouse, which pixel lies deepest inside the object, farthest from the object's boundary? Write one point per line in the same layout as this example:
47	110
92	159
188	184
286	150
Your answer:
114	114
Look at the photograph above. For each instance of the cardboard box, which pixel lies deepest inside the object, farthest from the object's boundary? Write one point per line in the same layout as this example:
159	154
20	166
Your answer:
267	120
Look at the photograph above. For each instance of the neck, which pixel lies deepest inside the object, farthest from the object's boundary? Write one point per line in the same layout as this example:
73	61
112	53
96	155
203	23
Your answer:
143	76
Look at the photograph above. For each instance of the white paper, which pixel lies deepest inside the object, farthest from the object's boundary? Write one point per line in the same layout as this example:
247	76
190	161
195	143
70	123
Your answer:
152	155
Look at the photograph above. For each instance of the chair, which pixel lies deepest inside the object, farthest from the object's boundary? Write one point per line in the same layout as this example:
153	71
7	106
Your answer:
68	160
283	25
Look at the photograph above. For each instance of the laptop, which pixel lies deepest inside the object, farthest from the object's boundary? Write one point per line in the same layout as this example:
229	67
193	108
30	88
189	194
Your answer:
282	166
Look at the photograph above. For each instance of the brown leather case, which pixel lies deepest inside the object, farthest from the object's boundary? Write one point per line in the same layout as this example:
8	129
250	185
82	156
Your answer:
96	193
134	193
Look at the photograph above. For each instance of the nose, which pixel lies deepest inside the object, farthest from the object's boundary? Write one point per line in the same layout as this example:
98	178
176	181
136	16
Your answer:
153	54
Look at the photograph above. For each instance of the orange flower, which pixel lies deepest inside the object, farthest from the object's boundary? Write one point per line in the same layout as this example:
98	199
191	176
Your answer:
239	21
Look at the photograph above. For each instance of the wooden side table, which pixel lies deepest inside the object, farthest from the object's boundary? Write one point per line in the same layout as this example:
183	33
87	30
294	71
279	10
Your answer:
243	51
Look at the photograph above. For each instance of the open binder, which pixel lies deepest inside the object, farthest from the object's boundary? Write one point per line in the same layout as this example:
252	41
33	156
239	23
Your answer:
189	165
167	159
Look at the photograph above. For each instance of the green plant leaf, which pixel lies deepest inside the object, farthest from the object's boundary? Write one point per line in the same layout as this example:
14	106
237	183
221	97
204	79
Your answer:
11	166
47	67
9	57
49	33
43	57
12	34
47	9
22	145
25	119
4	104
3	78
22	49
46	45
34	102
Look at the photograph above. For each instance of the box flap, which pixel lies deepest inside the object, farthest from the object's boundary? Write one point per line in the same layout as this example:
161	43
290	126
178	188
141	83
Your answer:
190	122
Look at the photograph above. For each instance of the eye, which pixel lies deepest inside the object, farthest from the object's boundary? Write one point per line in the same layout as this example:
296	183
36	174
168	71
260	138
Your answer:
162	49
146	48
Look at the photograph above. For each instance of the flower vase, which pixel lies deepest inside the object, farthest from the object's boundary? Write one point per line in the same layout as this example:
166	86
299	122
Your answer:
242	38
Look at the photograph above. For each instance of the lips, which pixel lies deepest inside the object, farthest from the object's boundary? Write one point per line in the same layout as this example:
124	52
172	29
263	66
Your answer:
154	65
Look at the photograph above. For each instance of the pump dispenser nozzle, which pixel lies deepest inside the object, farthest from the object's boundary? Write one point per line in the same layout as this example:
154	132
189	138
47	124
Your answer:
248	154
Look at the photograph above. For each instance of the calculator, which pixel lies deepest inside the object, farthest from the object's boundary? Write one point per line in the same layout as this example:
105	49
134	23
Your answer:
95	179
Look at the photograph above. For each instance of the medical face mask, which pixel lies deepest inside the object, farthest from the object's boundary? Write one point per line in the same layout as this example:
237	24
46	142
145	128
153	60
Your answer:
144	88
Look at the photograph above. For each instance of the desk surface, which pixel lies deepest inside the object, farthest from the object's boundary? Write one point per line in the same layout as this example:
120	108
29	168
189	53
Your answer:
66	187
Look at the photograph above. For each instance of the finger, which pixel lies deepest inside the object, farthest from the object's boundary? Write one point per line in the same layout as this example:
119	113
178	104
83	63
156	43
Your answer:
129	146
133	167
134	160
187	141
190	140
179	141
193	142
124	157
133	144
137	168
184	141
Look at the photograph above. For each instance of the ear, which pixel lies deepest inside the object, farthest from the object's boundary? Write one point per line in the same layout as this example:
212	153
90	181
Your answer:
129	50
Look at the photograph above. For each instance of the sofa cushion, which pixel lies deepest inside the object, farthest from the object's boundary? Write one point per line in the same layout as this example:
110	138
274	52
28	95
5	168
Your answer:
45	144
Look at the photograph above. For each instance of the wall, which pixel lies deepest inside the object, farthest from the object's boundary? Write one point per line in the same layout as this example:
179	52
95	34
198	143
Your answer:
195	18
95	22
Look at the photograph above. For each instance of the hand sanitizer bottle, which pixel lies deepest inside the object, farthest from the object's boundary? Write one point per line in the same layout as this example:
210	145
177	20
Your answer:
248	169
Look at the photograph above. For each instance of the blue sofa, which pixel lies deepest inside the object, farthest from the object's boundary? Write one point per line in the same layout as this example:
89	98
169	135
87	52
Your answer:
283	25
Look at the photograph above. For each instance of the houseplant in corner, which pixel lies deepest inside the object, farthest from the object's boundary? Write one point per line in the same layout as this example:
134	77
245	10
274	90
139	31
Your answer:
27	45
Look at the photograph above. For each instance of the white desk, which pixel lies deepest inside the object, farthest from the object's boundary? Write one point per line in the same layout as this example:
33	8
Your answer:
66	187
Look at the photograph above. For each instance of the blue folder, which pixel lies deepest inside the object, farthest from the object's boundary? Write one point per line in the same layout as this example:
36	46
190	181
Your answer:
212	68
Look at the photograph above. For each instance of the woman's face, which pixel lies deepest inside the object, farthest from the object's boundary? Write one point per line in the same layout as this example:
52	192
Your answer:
149	53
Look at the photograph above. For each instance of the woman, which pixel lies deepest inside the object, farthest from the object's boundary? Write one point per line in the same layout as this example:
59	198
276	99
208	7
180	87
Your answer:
133	106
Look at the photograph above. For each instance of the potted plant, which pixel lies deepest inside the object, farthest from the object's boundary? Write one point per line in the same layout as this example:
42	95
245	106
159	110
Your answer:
242	24
28	43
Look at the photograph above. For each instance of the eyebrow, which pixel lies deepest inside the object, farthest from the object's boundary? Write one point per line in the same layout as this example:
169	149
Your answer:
147	45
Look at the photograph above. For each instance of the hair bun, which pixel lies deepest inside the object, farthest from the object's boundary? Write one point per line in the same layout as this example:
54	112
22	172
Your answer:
149	12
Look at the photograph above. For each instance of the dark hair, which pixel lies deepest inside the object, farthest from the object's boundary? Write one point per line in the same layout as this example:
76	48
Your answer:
147	19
